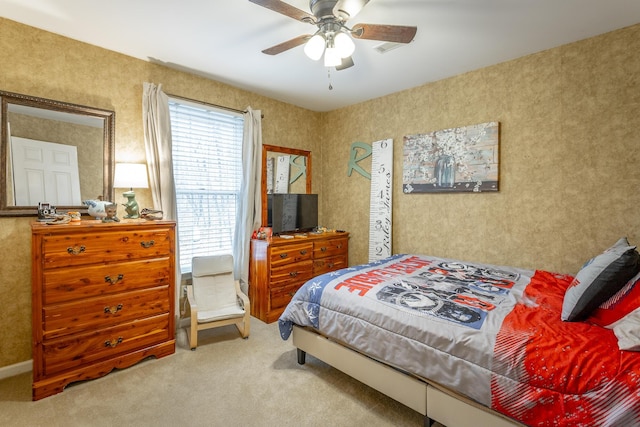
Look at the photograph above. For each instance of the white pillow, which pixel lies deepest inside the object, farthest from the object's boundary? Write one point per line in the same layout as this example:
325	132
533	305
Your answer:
627	331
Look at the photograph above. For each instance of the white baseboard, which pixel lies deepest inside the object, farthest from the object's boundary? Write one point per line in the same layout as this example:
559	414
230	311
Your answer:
16	369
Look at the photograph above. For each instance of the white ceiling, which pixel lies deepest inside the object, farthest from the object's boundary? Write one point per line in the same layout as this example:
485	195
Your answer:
223	39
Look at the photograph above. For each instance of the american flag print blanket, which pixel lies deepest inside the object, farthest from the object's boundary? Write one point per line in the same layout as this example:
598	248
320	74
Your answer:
492	333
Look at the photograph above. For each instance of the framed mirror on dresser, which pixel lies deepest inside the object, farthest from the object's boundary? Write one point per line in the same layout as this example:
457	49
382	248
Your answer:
298	166
54	152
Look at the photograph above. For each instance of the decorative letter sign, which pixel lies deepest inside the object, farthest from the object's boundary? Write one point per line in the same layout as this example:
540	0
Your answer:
354	158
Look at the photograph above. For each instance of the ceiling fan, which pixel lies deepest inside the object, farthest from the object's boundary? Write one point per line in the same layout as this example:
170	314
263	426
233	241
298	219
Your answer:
333	37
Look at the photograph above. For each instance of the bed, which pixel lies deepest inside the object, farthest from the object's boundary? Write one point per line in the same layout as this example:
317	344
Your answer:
475	344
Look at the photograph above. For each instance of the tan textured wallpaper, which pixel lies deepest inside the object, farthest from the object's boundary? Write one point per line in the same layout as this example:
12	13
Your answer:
569	174
42	64
568	156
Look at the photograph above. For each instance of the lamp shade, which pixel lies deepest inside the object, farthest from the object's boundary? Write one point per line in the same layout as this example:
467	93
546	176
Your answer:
344	45
131	175
331	57
315	47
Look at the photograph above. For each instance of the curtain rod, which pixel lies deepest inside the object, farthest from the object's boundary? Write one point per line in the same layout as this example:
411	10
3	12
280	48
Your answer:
209	103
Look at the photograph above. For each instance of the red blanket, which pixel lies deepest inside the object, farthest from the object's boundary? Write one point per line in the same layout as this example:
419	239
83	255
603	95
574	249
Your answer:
543	375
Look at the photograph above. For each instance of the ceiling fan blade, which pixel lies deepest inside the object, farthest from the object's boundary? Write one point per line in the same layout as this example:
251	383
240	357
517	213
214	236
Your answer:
286	9
346	63
347	9
289	44
385	33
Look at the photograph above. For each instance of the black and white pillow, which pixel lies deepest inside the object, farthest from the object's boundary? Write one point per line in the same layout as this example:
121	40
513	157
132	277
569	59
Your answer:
599	279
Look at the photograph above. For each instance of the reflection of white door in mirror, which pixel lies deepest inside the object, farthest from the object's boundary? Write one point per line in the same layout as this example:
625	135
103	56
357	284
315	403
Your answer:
44	172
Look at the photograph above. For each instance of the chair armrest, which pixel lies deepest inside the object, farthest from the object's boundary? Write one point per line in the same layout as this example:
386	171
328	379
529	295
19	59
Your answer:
244	299
191	300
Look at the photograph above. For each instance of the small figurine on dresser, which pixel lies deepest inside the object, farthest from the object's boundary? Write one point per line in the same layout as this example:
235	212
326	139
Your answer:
97	208
151	214
112	211
46	212
75	216
131	207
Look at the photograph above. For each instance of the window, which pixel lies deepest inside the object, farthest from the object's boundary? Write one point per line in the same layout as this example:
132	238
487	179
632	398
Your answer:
207	166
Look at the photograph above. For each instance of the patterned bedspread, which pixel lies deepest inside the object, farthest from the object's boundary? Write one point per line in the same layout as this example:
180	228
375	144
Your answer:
491	333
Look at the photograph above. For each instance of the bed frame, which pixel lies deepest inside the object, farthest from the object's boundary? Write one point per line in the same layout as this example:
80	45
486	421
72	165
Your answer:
435	402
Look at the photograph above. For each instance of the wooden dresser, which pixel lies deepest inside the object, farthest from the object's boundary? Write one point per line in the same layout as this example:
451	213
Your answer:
102	298
278	267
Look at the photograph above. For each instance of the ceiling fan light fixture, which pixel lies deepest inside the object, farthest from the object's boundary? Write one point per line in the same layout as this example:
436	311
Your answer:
344	45
332	57
315	47
333	37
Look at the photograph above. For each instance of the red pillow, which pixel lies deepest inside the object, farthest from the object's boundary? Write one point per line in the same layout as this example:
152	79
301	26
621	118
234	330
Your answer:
619	305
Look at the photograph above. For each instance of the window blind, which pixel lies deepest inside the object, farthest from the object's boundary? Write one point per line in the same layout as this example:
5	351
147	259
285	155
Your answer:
207	166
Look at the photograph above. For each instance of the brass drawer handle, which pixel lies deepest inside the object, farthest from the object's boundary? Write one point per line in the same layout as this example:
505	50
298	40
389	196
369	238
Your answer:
283	256
292	293
76	250
339	246
113	310
303	252
148	244
330	265
110	280
323	249
113	344
293	273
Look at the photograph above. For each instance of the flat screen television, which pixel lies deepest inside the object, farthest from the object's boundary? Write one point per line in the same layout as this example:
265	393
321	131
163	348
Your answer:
292	212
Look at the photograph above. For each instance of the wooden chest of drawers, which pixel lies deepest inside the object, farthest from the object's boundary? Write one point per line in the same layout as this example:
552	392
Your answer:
103	298
278	267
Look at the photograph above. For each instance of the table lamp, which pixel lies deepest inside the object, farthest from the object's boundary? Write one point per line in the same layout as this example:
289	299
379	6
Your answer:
131	175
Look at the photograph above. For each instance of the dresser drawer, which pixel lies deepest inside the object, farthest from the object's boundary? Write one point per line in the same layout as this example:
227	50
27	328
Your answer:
95	313
73	249
68	284
72	352
281	296
324	265
298	272
329	247
289	254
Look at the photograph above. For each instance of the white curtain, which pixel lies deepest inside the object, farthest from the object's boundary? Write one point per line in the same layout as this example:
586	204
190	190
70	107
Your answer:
249	205
157	141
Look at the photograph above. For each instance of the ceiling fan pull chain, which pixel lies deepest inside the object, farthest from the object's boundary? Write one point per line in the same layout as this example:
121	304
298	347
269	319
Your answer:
329	75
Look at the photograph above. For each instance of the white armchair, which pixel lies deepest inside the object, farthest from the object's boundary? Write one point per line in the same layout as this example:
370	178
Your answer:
215	299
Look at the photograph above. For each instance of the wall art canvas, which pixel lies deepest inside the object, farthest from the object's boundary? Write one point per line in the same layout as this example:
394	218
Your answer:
463	159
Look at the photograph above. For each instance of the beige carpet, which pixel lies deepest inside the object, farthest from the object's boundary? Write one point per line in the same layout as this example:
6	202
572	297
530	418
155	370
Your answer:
227	381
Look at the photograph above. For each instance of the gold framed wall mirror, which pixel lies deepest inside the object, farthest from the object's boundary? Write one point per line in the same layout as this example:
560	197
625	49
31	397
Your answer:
73	130
298	167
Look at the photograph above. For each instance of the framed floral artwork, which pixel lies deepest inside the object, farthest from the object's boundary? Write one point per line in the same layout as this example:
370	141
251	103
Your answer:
463	159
